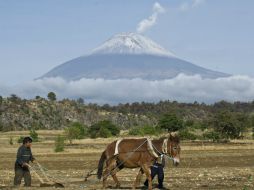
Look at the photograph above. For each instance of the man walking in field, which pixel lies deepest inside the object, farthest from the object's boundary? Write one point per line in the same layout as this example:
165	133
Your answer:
24	156
157	169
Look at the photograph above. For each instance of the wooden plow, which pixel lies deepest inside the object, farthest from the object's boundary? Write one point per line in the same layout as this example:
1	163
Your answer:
45	181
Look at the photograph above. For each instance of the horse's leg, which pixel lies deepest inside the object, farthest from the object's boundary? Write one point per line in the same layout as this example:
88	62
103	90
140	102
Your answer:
114	170
147	171
110	170
116	180
137	181
106	173
104	177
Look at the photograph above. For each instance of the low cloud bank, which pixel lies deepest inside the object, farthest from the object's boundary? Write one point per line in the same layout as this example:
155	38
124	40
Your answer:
181	88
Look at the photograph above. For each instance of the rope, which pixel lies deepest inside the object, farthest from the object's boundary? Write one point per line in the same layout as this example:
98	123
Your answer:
124	160
169	157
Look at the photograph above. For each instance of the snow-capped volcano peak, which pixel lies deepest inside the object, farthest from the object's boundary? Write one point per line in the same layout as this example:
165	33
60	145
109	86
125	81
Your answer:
129	56
131	43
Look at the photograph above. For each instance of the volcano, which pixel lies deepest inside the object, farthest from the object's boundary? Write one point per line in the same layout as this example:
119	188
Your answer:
128	56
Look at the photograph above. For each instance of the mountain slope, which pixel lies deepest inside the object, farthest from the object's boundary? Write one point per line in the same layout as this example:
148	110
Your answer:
128	56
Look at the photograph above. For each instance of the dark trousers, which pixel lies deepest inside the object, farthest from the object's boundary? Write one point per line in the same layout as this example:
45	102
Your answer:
20	173
157	169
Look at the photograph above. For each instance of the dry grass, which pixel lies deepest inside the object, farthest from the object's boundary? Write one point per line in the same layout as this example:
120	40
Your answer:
203	166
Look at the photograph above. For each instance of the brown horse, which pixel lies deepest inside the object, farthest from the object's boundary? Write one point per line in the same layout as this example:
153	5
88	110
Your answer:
136	153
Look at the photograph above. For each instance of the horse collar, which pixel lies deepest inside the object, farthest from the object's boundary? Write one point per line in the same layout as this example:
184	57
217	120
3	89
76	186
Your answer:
165	146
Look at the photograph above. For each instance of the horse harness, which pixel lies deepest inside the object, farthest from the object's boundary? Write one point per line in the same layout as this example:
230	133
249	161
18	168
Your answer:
150	147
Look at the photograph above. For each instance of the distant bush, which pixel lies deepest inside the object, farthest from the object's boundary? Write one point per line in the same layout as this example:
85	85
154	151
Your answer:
59	144
186	135
11	141
189	123
215	136
34	135
230	125
171	122
1	126
20	139
75	131
103	129
104	132
52	96
146	130
136	131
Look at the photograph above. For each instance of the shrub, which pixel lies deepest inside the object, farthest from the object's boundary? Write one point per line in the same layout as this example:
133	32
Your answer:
189	123
75	131
230	125
104	132
11	141
136	131
103	129
186	135
146	130
149	130
171	122
20	139
81	128
34	135
215	136
59	144
51	96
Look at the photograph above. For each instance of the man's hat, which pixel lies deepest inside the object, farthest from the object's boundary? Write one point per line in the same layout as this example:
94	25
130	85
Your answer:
27	139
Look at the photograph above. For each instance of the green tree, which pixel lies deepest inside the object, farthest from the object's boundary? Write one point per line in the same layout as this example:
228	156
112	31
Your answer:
104	133
252	124
136	131
171	122
52	96
186	135
59	144
14	98
80	101
37	97
34	135
1	100
212	135
145	130
230	125
75	131
104	129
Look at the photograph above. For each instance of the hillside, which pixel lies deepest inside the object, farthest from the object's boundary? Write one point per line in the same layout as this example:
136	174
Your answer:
21	114
40	113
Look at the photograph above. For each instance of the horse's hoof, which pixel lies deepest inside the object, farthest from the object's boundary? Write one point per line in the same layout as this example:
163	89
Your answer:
118	186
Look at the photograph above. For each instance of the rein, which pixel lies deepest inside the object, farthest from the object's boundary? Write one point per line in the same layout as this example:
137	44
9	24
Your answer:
164	154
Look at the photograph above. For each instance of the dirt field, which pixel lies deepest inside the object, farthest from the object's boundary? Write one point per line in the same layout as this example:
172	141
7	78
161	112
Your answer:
203	165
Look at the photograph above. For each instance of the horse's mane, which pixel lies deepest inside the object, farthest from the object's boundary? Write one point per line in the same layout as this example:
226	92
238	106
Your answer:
175	138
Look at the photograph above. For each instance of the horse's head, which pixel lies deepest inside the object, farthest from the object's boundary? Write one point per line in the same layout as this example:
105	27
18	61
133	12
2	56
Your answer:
174	148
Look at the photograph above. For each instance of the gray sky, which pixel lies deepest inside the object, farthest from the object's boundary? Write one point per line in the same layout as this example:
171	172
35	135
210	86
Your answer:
36	36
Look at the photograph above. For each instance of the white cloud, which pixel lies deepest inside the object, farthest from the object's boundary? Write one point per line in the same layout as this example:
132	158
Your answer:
181	88
189	5
147	23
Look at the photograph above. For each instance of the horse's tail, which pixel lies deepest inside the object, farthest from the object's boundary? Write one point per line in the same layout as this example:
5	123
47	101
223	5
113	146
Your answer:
100	164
